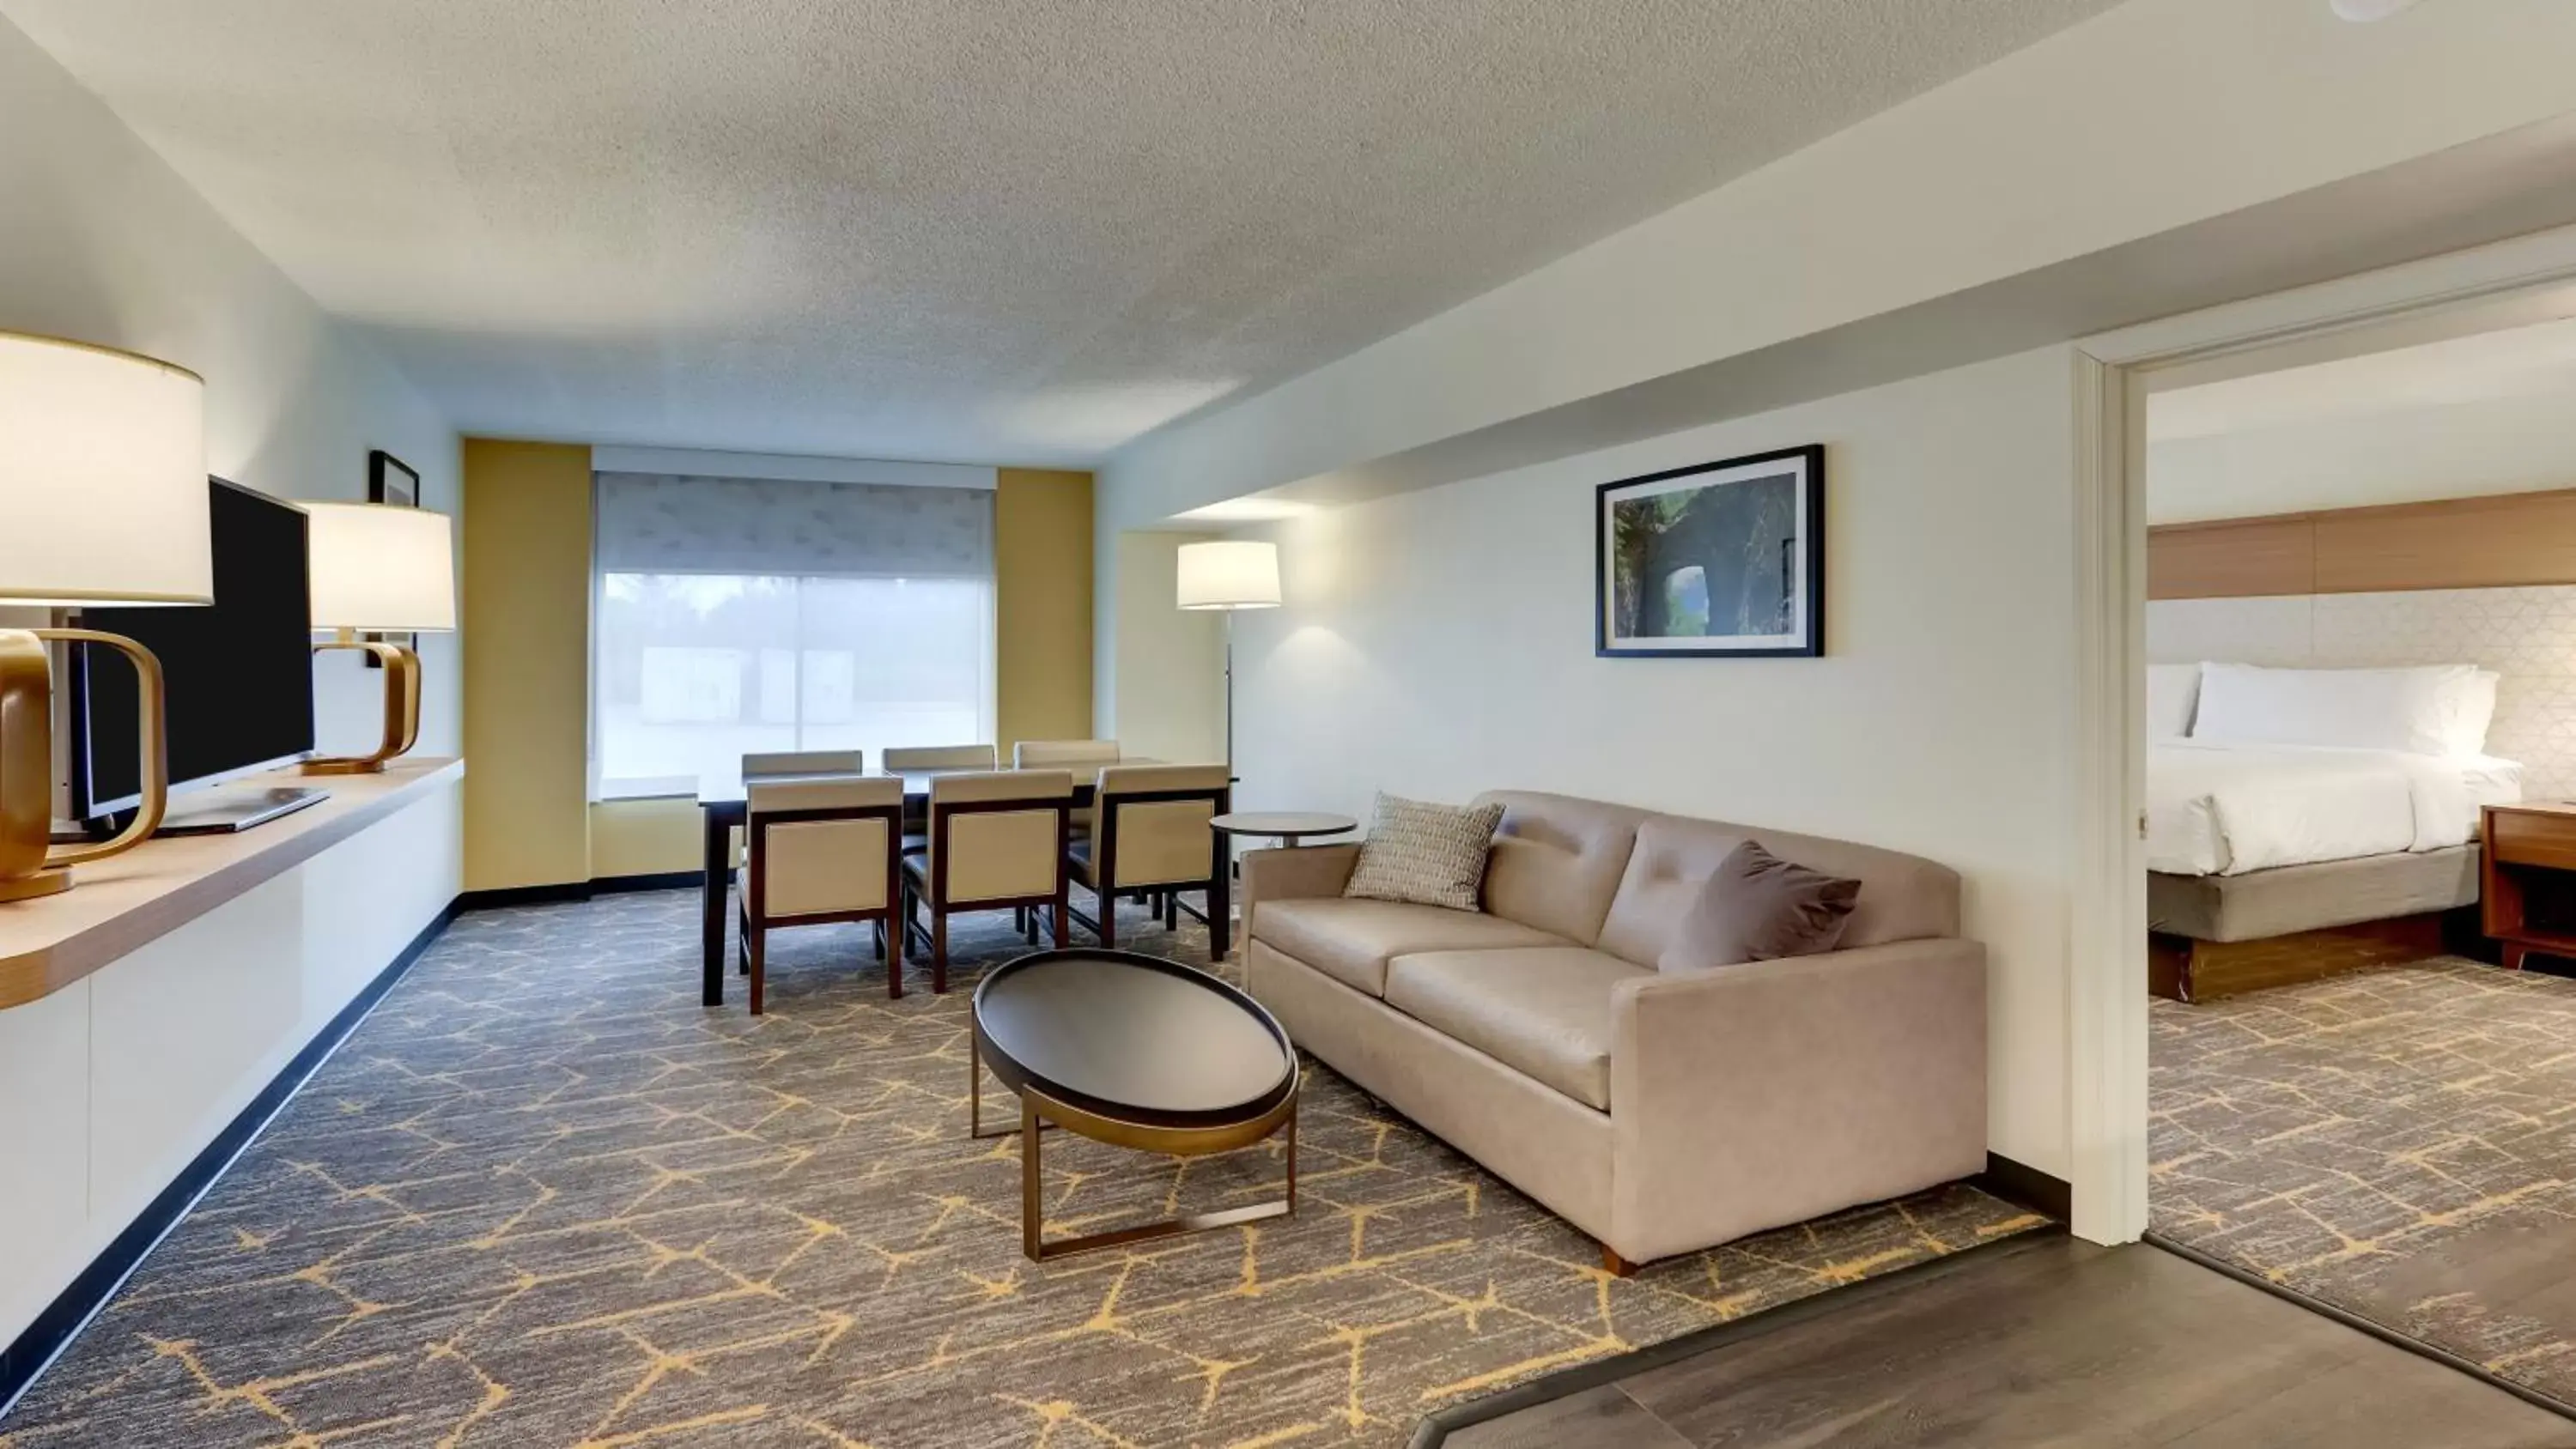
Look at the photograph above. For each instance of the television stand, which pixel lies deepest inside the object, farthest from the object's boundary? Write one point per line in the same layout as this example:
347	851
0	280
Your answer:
225	812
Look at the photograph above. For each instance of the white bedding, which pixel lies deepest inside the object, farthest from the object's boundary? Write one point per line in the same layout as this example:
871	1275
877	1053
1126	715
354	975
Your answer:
2216	808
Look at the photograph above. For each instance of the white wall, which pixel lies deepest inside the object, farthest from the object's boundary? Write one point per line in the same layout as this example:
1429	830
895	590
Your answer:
1439	643
1164	697
101	241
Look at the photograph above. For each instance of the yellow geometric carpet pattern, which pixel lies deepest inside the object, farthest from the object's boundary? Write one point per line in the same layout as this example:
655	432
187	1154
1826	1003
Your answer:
2399	1142
543	1197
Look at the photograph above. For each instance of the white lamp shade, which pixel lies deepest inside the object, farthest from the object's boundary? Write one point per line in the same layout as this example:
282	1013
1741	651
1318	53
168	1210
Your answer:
378	566
1229	574
102	477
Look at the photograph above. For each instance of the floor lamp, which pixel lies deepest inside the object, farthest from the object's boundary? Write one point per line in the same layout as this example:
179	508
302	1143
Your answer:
1229	575
102	501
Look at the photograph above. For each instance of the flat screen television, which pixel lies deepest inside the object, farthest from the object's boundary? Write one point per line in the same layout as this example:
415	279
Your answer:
238	673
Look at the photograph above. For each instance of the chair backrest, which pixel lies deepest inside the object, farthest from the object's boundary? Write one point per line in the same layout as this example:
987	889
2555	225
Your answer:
806	762
820	847
1034	754
999	835
1149	824
941	757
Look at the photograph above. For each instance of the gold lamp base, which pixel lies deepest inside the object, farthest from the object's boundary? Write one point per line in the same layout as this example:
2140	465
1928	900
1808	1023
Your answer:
402	707
30	864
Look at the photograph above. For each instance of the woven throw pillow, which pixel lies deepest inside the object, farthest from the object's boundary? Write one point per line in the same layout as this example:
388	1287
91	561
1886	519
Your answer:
1758	907
1425	854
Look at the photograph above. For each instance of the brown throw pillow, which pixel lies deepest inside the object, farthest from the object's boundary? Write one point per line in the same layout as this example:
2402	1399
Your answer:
1429	855
1759	907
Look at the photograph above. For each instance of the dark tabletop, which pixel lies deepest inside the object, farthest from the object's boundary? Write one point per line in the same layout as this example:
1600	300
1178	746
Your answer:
1135	1035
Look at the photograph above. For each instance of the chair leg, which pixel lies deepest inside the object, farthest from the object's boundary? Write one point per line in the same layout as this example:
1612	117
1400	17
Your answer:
1108	917
1171	910
876	932
1063	922
754	949
938	951
1020	919
742	942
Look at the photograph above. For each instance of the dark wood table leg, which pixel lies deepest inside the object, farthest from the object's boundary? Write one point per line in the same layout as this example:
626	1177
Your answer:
719	847
1220	902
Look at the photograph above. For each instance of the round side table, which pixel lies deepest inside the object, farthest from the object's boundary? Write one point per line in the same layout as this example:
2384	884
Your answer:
1288	827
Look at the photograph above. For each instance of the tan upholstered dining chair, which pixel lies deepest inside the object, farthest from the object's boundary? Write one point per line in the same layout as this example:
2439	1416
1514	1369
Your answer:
997	842
1046	754
806	762
820	851
941	757
1149	833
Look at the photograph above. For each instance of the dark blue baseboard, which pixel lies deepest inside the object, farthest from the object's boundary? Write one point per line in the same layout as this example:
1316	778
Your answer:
71	1310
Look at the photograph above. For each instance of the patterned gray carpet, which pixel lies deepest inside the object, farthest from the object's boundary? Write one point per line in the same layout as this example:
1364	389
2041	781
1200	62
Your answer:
543	1197
2399	1142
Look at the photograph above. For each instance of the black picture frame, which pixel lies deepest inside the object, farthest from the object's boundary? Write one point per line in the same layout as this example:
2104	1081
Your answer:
1805	549
391	480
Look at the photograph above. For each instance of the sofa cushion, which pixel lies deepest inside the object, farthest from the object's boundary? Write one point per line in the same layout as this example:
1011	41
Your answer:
1425	853
1544	1011
1759	907
1352	940
1902	897
1557	860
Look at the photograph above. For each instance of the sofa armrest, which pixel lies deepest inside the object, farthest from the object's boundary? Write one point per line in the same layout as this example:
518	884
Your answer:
1744	1097
1302	873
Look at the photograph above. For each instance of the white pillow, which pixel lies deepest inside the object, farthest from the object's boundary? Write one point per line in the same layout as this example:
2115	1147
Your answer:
2419	710
2474	705
2173	692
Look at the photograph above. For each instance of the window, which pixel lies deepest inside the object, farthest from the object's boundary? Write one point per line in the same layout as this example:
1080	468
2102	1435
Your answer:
732	616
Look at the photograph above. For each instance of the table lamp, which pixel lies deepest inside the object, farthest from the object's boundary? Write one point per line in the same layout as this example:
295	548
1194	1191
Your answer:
381	567
102	501
1229	575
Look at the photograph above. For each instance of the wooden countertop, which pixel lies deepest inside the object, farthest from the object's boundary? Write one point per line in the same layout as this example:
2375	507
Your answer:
120	904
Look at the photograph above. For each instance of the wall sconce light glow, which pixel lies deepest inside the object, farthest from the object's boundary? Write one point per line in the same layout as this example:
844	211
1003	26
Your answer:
1252	509
1229	574
2364	12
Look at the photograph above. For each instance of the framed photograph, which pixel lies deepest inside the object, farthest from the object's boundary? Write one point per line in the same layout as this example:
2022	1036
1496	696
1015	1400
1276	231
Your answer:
390	480
1725	560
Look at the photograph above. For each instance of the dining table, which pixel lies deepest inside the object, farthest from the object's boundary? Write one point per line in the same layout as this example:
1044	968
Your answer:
723	805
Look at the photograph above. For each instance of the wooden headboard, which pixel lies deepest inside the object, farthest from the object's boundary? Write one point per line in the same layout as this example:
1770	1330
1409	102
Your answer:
2459	543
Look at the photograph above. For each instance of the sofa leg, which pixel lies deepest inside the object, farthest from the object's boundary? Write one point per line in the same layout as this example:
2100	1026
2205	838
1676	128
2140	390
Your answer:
1614	1265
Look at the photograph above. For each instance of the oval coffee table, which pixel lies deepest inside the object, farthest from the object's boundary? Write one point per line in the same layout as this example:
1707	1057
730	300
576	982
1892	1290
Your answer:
1135	1051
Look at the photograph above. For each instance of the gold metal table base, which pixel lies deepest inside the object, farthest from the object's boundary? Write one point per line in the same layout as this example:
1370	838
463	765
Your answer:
1034	1123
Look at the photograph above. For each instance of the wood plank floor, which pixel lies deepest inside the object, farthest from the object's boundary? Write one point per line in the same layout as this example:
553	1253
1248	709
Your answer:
2050	1342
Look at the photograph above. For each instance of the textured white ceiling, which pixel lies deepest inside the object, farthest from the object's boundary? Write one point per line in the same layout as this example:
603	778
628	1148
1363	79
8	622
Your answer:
993	230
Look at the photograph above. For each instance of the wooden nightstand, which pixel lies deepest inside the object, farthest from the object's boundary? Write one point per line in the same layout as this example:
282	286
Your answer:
2528	878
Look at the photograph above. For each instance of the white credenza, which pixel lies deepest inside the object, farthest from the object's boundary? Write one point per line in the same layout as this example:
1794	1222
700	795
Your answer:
143	1010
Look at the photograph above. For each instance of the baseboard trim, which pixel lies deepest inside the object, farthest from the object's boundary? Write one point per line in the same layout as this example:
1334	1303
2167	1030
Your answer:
62	1321
578	890
1437	1426
2355	1321
2017	1182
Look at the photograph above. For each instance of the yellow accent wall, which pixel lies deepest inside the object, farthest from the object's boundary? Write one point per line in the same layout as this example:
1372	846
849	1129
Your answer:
1041	606
529	819
526	636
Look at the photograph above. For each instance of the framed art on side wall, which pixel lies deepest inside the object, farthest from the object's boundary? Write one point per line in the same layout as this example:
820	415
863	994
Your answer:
391	480
1724	560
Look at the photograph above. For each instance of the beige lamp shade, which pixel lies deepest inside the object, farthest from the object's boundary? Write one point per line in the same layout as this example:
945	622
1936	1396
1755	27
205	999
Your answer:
102	477
378	566
1229	574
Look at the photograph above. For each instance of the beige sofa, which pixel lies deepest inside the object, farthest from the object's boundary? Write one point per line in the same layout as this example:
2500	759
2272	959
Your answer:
1658	1112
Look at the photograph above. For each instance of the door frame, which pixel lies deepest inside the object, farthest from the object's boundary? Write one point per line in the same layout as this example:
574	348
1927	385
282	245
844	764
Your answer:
2528	279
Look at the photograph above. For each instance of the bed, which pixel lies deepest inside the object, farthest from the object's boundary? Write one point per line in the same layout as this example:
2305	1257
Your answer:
2301	822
